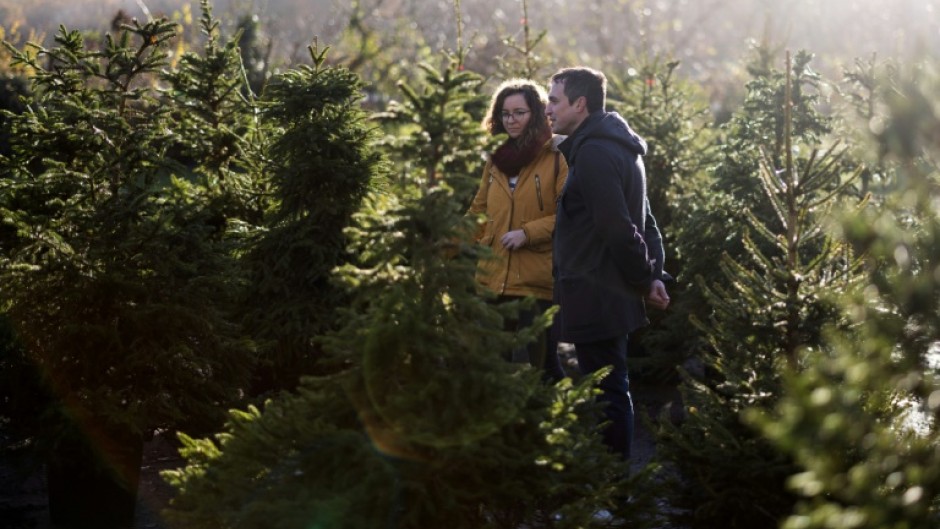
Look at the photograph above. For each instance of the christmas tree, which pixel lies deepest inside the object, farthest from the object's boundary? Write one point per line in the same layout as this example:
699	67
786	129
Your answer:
420	422
862	417
425	425
771	302
117	270
321	161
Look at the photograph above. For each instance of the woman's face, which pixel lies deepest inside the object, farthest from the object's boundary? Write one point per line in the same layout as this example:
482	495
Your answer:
515	115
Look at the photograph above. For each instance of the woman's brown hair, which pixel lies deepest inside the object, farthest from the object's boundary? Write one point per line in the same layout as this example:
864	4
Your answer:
535	98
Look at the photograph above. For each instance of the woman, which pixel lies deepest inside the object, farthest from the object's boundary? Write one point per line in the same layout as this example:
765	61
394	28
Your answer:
521	181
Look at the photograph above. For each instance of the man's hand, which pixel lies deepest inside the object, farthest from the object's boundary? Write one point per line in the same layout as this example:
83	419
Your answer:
514	240
657	296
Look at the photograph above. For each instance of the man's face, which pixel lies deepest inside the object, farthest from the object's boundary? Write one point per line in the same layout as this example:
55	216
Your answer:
564	116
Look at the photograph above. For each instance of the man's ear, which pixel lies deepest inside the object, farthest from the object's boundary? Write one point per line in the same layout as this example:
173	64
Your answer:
580	103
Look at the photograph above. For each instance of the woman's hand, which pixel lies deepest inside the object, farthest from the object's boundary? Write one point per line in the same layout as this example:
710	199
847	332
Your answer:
514	240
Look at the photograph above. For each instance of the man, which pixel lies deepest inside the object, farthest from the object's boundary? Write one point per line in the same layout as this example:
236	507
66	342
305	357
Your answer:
607	252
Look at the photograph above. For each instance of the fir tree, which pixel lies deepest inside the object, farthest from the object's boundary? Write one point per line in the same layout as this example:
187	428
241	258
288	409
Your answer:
117	272
771	303
112	234
712	222
670	115
435	131
860	90
367	49
416	421
14	89
321	163
860	93
255	52
523	60
863	417
382	50
425	425
220	133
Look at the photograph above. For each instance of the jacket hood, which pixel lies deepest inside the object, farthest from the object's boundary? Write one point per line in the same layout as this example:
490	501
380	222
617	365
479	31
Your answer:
609	126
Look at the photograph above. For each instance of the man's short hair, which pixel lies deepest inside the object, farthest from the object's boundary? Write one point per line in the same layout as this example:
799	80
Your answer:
583	81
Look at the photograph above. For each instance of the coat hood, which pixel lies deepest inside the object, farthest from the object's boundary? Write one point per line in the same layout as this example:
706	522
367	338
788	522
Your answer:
608	126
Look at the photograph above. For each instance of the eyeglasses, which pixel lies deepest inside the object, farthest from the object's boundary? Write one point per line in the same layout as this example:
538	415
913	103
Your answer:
517	114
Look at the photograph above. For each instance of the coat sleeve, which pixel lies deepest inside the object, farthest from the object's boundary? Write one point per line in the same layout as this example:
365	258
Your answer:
616	230
654	242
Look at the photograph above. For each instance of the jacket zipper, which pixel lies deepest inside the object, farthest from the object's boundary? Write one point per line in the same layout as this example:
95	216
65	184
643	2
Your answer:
538	192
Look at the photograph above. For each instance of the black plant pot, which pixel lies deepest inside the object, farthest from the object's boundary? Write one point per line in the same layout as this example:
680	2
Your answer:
92	479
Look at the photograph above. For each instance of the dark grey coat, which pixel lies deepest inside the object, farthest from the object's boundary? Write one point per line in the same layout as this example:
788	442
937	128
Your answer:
607	247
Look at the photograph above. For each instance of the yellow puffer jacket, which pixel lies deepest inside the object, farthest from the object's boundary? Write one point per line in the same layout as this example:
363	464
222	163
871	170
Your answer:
531	207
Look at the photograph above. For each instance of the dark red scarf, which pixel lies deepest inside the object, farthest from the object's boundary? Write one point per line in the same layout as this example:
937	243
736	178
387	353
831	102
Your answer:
510	159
